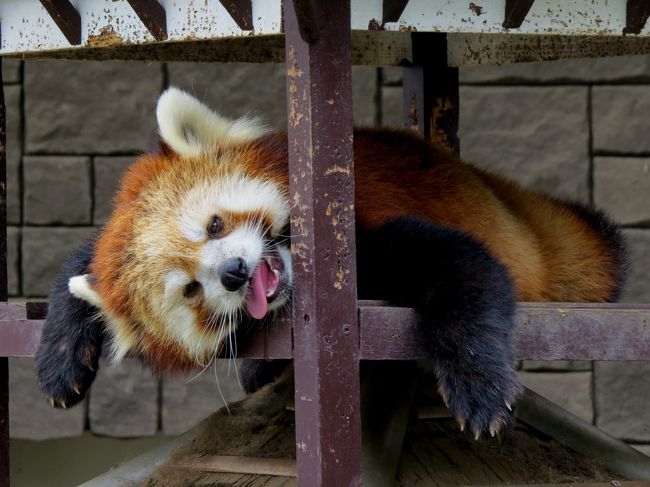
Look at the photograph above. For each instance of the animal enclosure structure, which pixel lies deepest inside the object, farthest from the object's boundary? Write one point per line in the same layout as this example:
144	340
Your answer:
330	331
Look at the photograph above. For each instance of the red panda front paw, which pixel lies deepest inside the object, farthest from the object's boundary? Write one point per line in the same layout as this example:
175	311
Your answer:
482	398
66	370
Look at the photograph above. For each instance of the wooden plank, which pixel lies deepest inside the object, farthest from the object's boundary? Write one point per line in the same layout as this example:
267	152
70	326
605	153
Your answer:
280	467
515	13
153	16
321	186
241	12
66	18
545	331
19	338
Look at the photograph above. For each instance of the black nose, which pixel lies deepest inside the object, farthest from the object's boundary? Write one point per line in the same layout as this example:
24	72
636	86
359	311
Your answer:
233	273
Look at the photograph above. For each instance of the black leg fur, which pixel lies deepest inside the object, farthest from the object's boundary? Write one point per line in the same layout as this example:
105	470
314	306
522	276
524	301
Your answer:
467	303
257	373
68	354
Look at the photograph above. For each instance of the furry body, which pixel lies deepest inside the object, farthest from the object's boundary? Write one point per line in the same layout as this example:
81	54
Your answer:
455	242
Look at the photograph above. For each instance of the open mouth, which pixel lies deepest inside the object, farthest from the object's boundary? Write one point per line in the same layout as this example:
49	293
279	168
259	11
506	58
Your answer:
264	286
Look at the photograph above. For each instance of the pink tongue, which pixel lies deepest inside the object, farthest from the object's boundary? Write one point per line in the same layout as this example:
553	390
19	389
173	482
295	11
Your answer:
256	302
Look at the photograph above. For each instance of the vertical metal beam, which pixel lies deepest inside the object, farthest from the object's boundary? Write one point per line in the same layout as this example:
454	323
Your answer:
4	361
325	320
431	104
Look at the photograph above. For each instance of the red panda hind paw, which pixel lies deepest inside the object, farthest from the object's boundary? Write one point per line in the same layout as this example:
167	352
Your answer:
481	405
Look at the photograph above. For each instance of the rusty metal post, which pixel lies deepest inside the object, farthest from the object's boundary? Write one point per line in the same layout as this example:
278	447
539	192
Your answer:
4	361
431	105
325	318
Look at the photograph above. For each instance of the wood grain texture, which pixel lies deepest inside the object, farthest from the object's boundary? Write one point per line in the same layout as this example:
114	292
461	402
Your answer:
66	18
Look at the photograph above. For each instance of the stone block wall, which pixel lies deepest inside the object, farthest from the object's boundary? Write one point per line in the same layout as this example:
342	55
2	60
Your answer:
577	129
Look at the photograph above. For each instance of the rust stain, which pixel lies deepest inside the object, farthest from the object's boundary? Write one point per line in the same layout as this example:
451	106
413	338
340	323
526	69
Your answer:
440	112
477	9
337	169
106	37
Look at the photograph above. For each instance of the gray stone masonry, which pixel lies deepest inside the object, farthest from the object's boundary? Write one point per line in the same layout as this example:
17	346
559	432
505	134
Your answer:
11	71
43	251
57	190
107	174
621	399
624	69
638	287
123	400
260	90
620	119
90	107
186	401
570	390
622	188
14	151
538	136
13	260
31	416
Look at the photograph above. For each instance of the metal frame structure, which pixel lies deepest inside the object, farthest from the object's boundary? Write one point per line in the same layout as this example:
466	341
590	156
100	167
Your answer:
330	332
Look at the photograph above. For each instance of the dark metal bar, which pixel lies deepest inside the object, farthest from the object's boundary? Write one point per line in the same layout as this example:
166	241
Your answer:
325	319
241	12
516	11
4	295
392	10
66	17
431	102
636	16
153	16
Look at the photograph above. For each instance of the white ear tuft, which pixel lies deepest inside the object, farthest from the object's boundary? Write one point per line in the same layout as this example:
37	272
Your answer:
79	286
189	127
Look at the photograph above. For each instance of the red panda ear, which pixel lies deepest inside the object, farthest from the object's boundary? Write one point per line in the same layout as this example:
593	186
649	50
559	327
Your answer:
189	127
82	288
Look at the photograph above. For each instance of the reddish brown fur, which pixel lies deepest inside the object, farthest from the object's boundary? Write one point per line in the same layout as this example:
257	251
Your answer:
550	252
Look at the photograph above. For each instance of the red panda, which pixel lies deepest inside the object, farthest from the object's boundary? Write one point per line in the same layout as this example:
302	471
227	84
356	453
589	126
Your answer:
198	244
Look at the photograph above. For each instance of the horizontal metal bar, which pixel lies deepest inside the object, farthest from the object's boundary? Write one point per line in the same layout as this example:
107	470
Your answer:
545	331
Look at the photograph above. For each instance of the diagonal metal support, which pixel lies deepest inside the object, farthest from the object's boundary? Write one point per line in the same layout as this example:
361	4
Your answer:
241	12
153	16
66	17
636	16
516	11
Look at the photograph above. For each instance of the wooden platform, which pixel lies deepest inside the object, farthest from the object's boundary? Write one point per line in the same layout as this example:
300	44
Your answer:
435	452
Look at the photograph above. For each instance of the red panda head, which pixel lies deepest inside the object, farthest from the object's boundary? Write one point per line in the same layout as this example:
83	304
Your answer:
196	242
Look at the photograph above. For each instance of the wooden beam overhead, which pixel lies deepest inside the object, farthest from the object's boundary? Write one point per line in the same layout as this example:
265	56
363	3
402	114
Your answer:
636	16
516	11
66	17
241	12
392	10
153	16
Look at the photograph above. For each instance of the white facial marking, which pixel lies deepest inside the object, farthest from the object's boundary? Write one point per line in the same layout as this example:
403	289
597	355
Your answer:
236	193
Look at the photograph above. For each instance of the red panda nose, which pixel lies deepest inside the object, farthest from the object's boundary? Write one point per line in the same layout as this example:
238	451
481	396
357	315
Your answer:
233	273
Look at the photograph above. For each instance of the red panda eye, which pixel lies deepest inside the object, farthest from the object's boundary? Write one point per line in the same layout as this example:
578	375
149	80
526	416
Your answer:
215	227
192	289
